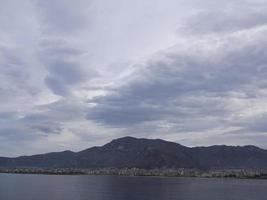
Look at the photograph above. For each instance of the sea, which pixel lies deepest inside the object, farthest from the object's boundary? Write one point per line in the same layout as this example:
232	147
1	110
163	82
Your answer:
86	187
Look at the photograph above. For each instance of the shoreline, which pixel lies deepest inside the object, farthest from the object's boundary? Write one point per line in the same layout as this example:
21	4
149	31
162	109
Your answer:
136	172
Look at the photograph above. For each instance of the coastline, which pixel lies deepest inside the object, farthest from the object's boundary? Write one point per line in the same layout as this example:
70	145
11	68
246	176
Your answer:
228	173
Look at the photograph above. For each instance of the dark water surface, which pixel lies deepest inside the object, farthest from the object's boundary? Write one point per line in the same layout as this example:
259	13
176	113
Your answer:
50	187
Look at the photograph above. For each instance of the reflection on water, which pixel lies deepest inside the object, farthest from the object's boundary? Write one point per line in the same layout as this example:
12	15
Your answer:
44	187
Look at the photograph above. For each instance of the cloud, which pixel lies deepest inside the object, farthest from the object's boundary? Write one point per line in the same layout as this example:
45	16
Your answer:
64	65
232	16
78	74
63	75
189	90
63	17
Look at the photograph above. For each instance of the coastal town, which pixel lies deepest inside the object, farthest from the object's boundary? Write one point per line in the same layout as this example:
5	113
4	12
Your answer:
230	173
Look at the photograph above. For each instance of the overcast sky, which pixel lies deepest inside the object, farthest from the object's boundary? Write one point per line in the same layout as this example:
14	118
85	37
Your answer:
79	73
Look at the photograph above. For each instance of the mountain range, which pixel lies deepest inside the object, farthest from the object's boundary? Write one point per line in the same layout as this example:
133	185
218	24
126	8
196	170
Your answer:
147	154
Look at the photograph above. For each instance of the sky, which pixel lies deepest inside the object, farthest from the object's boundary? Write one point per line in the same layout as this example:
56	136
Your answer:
75	74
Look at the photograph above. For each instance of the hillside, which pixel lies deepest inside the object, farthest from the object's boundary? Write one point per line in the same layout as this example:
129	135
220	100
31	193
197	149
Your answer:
148	154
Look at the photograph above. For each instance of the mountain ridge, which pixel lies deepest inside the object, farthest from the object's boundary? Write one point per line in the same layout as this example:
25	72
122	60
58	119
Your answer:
145	153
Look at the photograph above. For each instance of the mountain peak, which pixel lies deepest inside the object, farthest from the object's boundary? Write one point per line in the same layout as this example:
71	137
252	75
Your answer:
125	139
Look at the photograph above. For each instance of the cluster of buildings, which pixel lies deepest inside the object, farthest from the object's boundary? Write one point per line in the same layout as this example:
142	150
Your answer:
142	172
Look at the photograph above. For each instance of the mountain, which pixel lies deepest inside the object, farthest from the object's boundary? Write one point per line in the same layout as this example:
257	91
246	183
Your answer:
147	153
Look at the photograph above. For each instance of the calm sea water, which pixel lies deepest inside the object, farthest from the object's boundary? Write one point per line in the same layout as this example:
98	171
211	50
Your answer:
49	187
